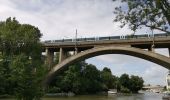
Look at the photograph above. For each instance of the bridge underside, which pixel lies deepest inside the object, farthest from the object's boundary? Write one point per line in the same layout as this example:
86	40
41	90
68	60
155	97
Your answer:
127	50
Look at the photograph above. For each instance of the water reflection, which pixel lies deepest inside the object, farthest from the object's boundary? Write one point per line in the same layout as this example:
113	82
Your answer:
145	96
142	96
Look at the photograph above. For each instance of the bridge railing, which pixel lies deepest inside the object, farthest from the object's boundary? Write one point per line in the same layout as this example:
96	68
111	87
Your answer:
122	37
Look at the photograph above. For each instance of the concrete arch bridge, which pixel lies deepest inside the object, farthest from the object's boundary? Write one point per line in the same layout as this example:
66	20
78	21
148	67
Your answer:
137	47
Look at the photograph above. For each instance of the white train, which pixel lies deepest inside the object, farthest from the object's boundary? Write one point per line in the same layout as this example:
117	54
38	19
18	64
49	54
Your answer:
109	38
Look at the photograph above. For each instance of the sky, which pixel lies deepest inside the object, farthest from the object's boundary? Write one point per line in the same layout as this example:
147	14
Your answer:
58	19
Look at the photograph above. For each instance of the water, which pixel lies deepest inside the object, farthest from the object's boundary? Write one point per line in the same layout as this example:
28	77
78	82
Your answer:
144	96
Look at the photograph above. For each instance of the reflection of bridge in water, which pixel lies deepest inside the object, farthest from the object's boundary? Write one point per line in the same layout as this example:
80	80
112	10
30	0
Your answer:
84	48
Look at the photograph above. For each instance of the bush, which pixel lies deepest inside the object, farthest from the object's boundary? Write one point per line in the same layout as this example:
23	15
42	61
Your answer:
124	90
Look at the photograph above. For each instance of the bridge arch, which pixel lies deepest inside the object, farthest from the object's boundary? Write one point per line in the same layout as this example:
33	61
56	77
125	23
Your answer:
136	52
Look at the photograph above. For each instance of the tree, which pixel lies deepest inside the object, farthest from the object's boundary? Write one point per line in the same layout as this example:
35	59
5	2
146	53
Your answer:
124	82
130	84
108	79
136	83
92	76
20	50
154	14
27	79
80	78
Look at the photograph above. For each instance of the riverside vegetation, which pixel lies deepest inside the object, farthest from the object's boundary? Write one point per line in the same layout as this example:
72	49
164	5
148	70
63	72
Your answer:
84	78
22	68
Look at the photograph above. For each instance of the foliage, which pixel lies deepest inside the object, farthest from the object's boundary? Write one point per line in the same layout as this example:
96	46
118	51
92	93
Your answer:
154	14
124	89
130	84
27	83
20	60
80	78
124	80
108	79
136	83
83	78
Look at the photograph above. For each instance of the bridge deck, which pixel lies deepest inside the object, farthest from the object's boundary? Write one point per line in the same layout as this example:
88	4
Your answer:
144	43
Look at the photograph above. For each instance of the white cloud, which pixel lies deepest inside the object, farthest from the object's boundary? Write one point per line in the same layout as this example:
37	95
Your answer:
59	18
155	74
119	64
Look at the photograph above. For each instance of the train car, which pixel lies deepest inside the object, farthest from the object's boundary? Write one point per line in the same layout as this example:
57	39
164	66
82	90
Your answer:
81	39
142	36
67	40
47	41
161	35
114	37
58	40
52	41
104	38
90	39
122	37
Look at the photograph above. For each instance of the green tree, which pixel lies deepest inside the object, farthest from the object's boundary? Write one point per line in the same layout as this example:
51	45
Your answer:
92	76
21	59
27	79
70	80
136	83
108	79
154	14
124	81
80	78
130	84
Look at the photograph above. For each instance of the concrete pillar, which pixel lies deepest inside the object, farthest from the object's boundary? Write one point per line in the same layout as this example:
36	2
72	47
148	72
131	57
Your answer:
62	55
50	57
151	48
76	51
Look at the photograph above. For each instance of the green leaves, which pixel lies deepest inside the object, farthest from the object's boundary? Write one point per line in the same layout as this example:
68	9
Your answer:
16	38
154	14
80	78
20	60
108	79
130	84
83	78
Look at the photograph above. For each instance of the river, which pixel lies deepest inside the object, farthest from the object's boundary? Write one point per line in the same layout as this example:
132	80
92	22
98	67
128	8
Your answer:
141	96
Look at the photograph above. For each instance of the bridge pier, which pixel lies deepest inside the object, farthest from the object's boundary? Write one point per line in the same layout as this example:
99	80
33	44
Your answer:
50	57
76	51
62	55
151	48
